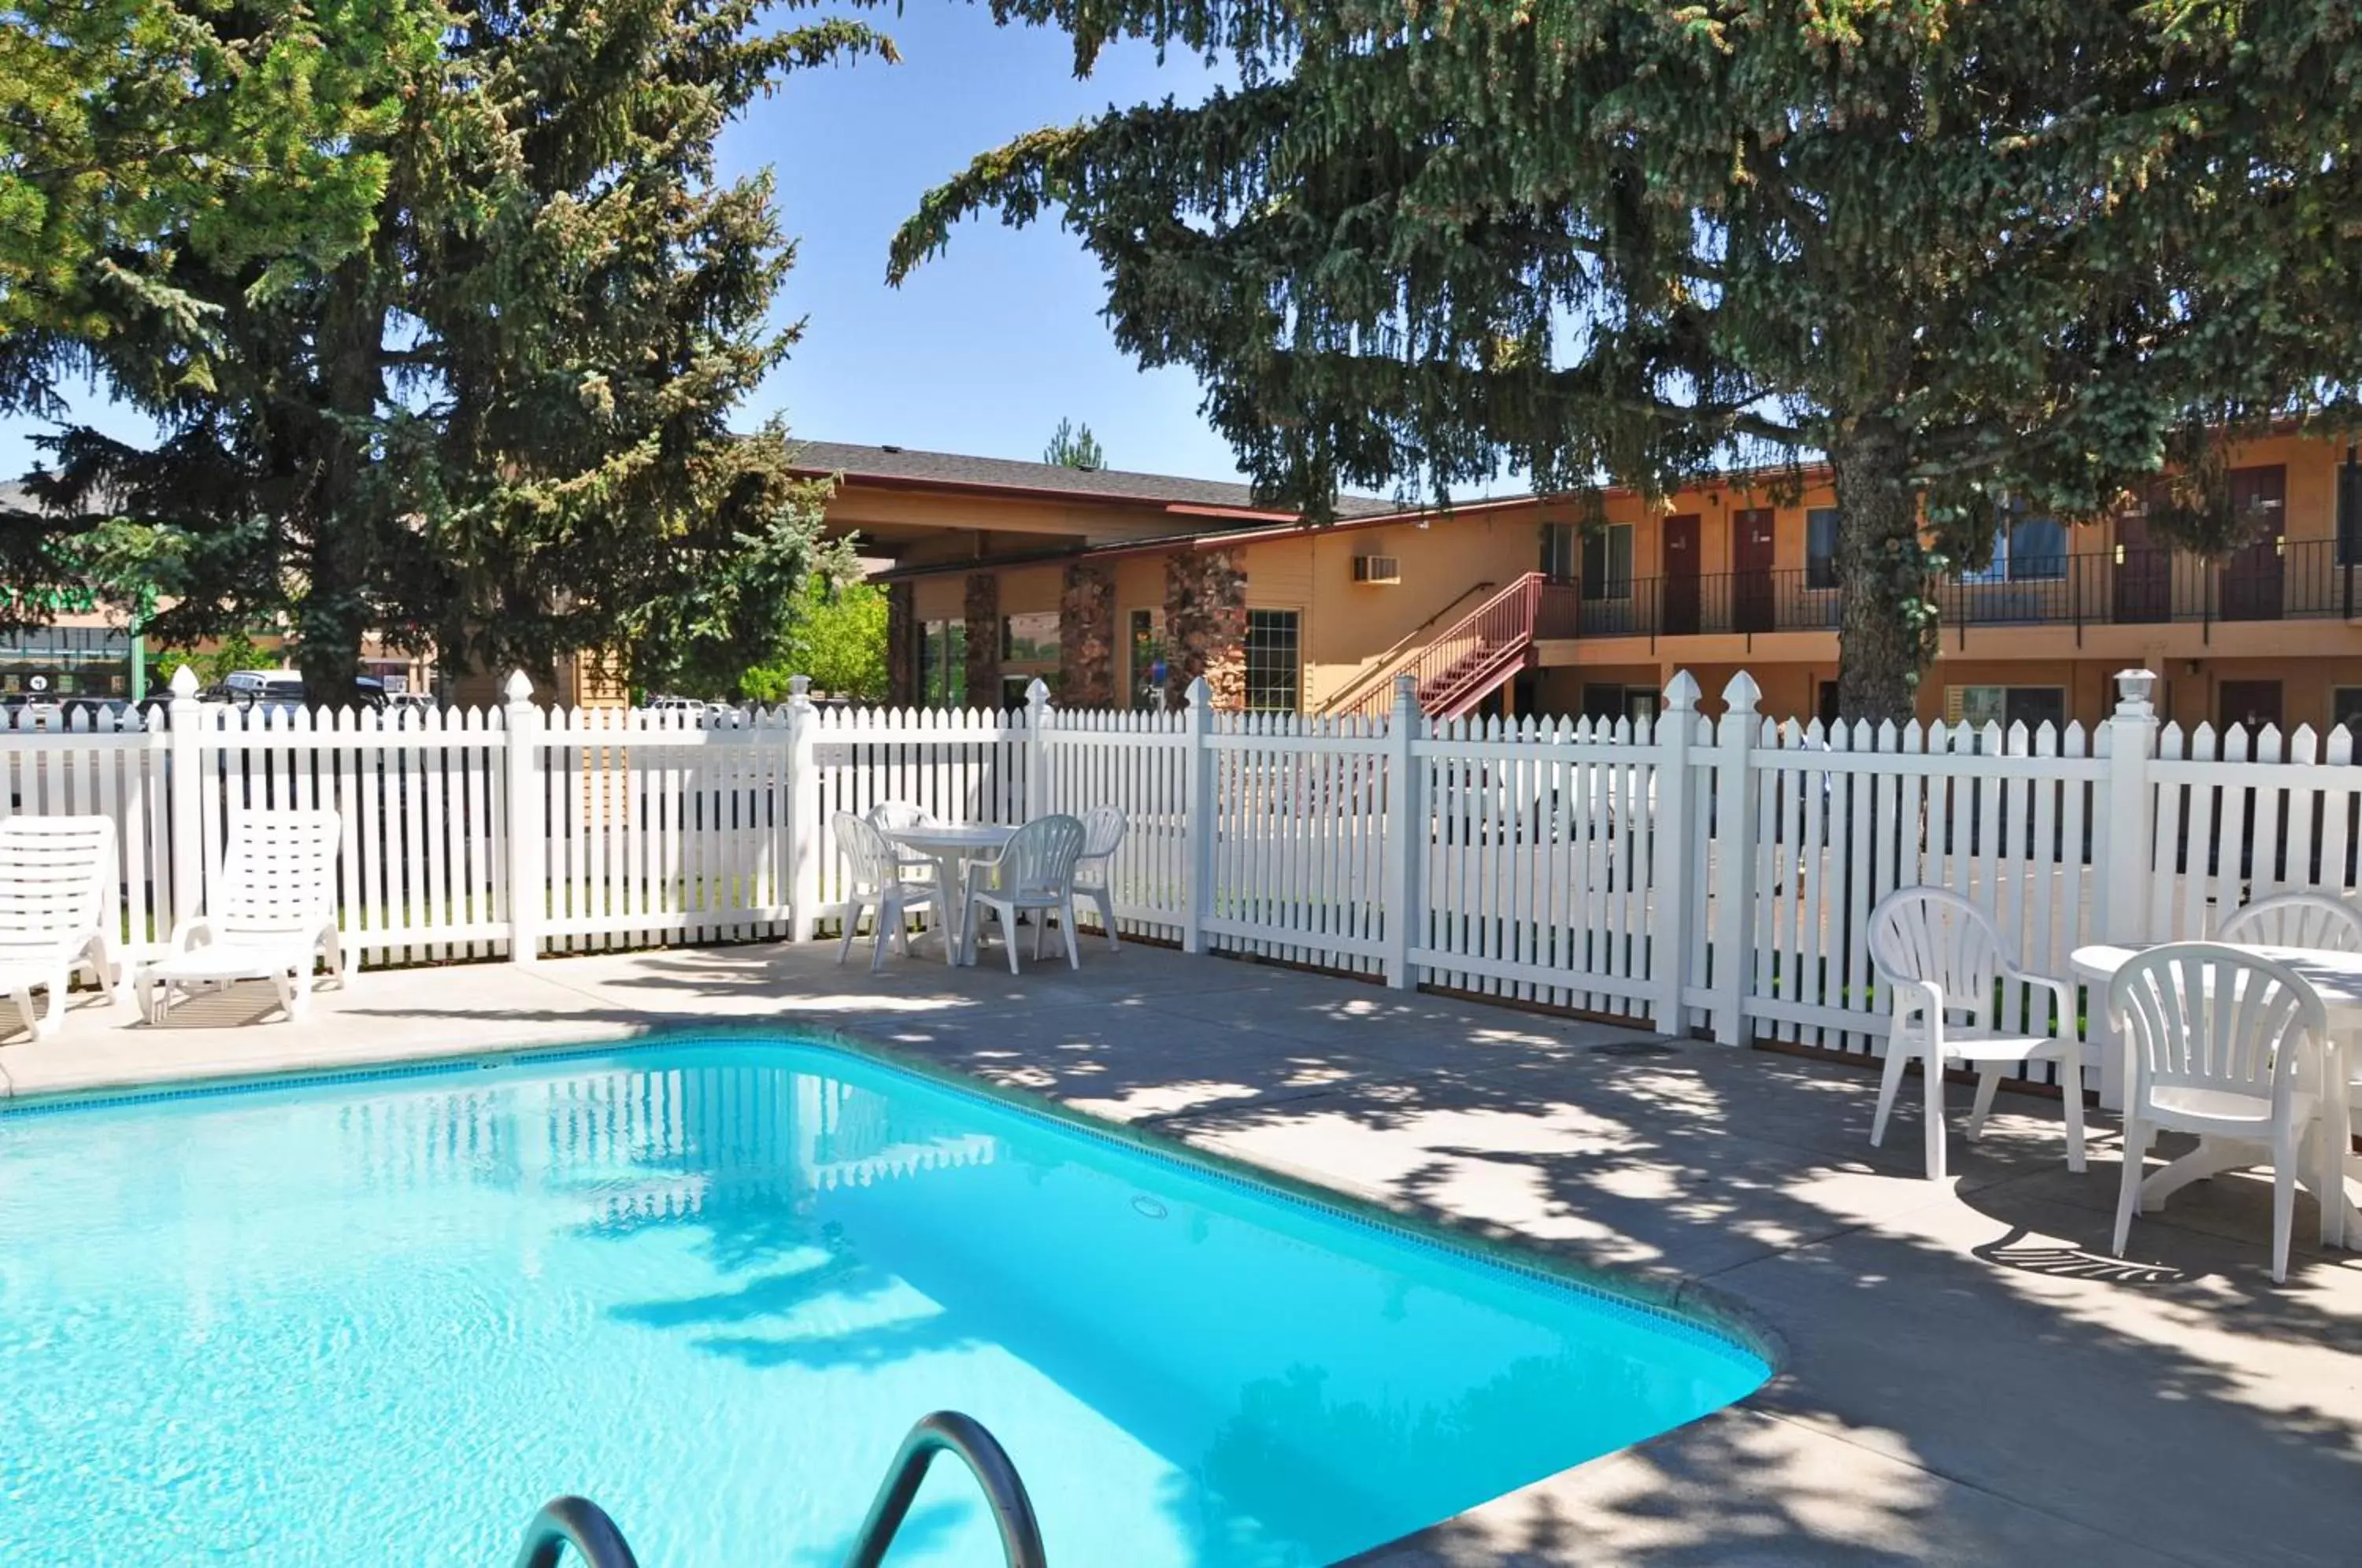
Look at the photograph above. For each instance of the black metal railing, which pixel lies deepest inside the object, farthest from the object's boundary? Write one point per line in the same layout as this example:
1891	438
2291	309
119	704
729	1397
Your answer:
2276	580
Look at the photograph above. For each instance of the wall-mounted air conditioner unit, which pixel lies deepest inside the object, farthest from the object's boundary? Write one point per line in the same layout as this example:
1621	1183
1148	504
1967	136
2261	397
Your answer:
1377	568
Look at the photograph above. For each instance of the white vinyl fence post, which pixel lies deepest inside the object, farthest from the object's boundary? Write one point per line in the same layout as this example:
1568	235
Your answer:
1198	822
804	810
2121	852
184	741
1671	825
1037	750
1406	835
528	823
1733	826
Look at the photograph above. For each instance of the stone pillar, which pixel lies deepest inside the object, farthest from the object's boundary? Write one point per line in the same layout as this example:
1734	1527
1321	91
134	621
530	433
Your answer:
1206	625
902	633
983	639
1086	638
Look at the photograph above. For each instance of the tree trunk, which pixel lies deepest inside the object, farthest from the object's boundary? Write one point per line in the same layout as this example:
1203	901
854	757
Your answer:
335	610
1880	572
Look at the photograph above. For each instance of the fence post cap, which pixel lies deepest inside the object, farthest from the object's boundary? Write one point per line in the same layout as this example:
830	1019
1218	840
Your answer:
2133	687
184	682
800	686
1406	692
517	687
1200	695
1038	694
1742	693
1682	692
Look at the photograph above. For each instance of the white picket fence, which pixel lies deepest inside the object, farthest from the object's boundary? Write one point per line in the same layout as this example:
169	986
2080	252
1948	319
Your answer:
1692	873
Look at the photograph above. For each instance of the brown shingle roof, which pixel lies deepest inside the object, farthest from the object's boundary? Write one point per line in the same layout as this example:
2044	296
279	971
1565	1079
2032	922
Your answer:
951	469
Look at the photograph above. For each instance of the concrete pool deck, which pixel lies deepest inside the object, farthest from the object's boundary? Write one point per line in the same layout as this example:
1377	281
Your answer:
1970	1377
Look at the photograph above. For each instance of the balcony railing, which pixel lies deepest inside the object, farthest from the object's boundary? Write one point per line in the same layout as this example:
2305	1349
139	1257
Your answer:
2294	580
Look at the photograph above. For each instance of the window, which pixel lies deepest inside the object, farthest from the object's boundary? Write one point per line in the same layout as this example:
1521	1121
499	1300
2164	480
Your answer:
1147	659
1821	547
1014	687
943	663
1031	638
1271	661
2033	706
1607	562
1610	701
2346	707
1559	551
2025	549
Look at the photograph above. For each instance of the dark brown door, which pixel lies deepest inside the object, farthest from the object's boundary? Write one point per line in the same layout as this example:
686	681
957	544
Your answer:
2144	573
1682	575
1750	550
2253	577
2249	704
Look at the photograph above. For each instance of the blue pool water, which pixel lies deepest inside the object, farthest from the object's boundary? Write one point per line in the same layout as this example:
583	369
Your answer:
711	1286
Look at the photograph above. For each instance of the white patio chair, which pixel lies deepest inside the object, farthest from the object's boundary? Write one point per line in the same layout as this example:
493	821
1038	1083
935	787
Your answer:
893	816
878	883
1942	960
2217	1042
1035	870
56	876
270	914
1103	830
2295	919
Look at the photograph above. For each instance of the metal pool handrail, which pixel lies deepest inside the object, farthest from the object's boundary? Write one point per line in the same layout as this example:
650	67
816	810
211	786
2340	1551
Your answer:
579	1523
1012	1510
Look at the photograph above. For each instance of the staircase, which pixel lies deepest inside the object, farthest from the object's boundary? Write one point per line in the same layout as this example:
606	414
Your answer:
1474	657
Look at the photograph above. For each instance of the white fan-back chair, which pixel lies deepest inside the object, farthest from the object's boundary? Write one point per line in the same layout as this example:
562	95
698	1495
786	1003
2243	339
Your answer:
879	881
2216	1041
1035	870
2295	919
1103	830
56	881
893	816
1942	961
271	914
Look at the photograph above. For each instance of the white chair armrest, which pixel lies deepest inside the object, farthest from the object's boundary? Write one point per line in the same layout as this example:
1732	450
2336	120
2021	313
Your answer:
185	933
1920	997
2061	990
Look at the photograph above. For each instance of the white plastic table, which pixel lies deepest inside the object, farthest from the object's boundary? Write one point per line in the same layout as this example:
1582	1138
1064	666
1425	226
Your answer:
2338	977
951	845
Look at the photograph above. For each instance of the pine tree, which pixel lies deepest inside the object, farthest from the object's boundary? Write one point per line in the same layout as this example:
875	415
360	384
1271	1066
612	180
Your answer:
496	424
1074	447
1969	252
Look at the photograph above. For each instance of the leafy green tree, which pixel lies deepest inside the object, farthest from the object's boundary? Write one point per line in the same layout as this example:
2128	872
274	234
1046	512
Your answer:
1073	447
839	640
497	423
1969	252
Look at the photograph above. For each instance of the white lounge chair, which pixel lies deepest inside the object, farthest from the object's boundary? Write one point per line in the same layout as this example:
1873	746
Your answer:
1103	830
1942	961
1035	870
2295	919
271	914
2217	1042
56	878
880	882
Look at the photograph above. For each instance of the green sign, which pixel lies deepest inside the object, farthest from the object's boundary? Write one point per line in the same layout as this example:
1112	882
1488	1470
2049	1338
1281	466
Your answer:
76	601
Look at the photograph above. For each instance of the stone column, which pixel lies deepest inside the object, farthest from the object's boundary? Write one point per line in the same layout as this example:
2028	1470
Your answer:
1206	625
983	639
1086	638
902	633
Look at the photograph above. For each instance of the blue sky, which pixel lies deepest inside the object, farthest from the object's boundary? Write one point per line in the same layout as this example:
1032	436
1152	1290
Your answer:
988	347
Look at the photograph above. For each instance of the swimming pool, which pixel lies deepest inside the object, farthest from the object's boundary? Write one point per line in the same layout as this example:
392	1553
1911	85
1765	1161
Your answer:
710	1284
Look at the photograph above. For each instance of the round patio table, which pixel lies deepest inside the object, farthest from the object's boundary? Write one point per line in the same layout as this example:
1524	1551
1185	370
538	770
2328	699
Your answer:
2338	977
951	845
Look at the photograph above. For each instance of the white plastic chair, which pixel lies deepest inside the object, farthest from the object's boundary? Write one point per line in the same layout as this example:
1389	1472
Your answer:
1035	870
270	914
2295	919
2217	1042
879	884
893	816
1103	830
1942	961
56	876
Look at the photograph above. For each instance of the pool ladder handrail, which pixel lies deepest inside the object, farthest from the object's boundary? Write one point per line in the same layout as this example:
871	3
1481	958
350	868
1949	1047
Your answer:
582	1524
1004	1493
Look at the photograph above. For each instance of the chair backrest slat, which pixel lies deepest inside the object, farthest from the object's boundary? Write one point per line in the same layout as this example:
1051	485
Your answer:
55	876
1103	830
1040	857
2202	1015
2295	919
868	858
